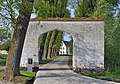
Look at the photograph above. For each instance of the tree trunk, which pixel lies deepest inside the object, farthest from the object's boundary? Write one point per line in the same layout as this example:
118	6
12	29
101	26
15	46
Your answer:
41	44
52	40
13	60
46	44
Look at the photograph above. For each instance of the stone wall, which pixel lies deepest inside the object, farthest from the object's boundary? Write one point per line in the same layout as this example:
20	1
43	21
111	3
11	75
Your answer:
88	38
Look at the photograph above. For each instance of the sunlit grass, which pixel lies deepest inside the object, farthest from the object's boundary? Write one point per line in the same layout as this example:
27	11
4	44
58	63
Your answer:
2	73
25	76
45	61
3	55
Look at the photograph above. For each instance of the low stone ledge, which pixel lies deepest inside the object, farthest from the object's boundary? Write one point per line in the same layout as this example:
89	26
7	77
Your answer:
87	70
34	69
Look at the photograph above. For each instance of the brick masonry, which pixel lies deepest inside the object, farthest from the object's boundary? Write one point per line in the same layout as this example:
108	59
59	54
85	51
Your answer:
88	36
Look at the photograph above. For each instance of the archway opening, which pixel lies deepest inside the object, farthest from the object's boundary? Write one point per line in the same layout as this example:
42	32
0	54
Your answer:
55	44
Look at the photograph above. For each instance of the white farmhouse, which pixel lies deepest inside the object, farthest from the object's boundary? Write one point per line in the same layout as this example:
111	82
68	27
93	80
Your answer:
65	48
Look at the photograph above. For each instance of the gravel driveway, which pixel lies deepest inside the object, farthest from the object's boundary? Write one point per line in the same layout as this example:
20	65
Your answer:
58	72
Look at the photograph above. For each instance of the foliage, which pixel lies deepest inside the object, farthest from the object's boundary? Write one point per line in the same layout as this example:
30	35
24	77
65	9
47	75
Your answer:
3	55
5	34
71	46
9	11
48	8
52	40
6	45
85	8
47	44
2	62
58	41
109	10
41	46
112	32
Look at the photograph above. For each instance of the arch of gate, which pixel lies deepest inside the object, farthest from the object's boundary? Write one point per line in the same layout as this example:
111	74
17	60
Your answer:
88	37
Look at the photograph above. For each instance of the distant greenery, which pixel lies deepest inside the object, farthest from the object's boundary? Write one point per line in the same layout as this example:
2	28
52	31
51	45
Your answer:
2	62
3	55
71	45
6	45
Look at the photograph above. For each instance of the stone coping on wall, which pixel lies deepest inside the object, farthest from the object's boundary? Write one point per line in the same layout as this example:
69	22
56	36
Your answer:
67	19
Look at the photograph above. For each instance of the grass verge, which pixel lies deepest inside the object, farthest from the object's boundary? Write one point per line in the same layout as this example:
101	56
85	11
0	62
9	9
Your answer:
106	76
25	78
45	61
110	76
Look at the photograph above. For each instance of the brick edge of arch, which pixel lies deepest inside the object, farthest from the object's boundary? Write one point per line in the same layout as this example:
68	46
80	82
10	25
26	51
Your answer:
66	19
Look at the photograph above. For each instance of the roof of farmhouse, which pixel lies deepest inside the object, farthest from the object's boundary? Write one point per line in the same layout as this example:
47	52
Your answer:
67	43
67	19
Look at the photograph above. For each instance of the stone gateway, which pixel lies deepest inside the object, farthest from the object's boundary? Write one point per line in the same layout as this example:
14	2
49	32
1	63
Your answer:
88	40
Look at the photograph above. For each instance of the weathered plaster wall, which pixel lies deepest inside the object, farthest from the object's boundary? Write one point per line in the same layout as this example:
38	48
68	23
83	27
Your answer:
88	39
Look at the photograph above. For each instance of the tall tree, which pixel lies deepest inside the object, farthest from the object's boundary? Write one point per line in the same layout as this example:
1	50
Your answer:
41	47
20	26
46	45
71	46
52	39
57	44
51	8
85	8
109	10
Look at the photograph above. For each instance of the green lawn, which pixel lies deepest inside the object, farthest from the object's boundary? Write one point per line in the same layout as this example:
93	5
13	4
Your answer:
1	74
2	62
25	77
106	76
3	55
45	61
